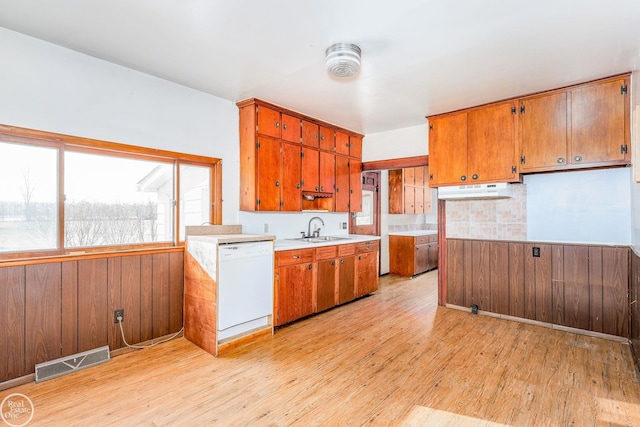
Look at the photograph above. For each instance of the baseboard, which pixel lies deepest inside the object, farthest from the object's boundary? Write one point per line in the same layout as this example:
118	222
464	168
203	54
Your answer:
615	338
17	381
636	360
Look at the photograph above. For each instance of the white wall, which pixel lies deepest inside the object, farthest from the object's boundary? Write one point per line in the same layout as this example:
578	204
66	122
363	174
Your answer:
405	142
587	206
50	88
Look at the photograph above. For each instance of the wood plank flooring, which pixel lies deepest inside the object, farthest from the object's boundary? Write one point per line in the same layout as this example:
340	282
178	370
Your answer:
392	358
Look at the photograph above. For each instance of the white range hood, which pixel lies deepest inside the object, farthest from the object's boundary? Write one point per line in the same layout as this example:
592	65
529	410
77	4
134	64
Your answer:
500	190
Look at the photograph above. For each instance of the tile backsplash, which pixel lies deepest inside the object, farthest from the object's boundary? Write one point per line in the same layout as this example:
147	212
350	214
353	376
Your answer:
491	219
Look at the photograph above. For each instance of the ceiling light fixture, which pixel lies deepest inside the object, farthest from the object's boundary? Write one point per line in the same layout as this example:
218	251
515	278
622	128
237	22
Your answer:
343	59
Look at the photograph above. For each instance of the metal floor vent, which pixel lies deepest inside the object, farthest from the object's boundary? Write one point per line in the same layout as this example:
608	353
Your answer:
68	364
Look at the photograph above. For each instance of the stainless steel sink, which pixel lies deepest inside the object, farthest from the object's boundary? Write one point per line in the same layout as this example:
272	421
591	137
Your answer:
320	239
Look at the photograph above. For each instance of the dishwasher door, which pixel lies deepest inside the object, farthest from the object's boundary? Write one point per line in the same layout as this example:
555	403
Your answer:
245	287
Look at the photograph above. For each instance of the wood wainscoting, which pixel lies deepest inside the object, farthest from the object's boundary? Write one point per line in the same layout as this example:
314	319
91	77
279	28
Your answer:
578	286
61	307
634	309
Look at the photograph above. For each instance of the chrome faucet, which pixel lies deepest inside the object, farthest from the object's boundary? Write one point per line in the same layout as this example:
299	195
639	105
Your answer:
316	233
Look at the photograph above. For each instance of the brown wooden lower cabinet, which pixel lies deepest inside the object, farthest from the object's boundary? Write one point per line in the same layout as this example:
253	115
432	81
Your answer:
316	279
58	308
411	255
579	286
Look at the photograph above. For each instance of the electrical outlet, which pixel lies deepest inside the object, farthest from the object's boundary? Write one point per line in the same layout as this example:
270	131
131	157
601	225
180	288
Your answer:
343	225
536	252
266	228
118	313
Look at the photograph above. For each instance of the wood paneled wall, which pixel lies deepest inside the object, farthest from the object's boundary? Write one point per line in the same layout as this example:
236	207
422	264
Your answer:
634	292
55	309
579	286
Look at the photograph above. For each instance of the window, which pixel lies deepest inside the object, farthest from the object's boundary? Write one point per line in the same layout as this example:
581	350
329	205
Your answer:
28	197
62	193
195	196
112	201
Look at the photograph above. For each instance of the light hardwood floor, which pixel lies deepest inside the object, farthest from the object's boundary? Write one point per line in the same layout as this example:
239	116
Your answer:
389	359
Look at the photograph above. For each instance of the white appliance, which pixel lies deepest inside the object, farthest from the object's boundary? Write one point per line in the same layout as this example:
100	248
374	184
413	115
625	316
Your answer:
500	190
245	287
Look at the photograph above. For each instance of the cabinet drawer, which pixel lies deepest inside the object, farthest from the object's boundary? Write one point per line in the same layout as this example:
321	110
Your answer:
422	240
370	246
326	252
346	250
295	256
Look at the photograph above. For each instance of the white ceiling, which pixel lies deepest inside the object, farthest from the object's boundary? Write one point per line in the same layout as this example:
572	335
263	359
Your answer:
419	57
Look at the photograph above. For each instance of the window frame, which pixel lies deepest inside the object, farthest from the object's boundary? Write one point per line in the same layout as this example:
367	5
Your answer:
63	143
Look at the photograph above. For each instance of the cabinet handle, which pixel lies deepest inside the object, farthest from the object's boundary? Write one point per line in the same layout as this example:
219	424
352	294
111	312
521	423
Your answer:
360	257
341	261
322	188
298	185
316	188
561	160
277	124
296	257
284	126
322	138
310	266
337	189
277	184
316	136
333	262
578	158
474	176
463	178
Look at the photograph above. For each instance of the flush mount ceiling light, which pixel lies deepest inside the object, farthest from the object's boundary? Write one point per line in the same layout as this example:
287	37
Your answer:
343	59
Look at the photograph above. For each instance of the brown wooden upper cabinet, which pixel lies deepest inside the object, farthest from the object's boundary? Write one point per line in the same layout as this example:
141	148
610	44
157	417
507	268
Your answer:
327	139
342	143
355	146
474	146
275	168
408	192
577	127
581	126
273	123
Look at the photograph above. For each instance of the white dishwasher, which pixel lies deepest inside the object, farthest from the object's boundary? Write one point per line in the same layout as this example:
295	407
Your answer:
245	287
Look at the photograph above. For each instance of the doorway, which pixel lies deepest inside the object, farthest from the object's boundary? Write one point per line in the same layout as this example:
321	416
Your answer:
368	221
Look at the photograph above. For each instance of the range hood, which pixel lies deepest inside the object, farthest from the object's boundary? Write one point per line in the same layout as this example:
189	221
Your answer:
500	190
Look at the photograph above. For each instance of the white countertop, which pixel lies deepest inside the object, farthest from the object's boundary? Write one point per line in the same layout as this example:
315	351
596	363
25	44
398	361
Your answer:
288	244
414	233
231	238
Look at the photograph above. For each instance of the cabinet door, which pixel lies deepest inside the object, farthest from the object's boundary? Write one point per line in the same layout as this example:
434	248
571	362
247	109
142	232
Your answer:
422	259
342	143
418	176
448	149
491	143
310	169
295	292
367	273
327	139
327	171
355	186
268	122
310	134
355	147
543	132
433	256
396	189
598	122
326	285
408	176
269	176
409	200
342	184
291	177
346	279
418	202
291	128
